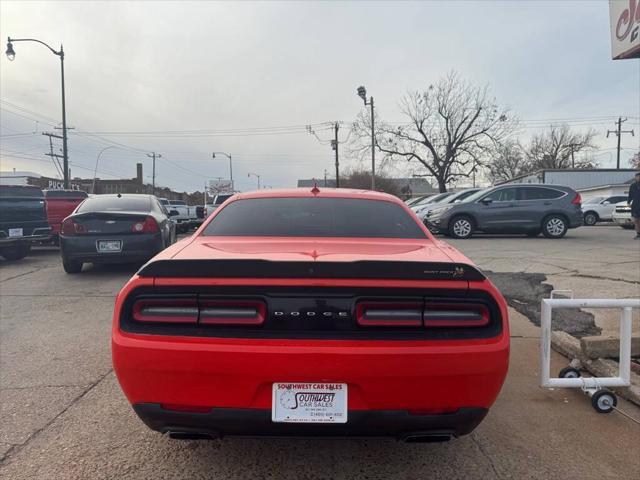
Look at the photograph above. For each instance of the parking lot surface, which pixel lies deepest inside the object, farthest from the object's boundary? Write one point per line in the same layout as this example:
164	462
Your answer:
64	416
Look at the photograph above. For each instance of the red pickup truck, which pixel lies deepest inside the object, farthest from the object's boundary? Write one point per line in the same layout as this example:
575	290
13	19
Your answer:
60	204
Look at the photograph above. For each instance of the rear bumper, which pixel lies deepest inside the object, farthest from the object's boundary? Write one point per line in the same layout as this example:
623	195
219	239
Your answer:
8	241
221	422
234	377
135	248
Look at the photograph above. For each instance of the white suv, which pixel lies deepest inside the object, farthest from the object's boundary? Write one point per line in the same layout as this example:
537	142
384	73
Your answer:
600	209
622	215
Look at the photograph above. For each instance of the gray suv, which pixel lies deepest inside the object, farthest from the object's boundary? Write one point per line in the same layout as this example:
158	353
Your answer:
530	209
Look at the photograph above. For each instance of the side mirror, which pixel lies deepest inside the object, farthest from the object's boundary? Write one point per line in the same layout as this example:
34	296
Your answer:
173	213
486	201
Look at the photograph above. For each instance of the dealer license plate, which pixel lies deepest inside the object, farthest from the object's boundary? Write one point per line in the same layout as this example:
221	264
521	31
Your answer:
109	246
15	232
309	403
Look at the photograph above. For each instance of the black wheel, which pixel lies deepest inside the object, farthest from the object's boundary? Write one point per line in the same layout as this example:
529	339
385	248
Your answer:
16	252
569	372
71	266
627	227
590	218
533	233
461	227
554	226
603	401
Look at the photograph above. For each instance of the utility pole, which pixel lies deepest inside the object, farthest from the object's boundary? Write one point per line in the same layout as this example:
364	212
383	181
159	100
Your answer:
55	157
572	146
618	132
334	145
153	155
362	93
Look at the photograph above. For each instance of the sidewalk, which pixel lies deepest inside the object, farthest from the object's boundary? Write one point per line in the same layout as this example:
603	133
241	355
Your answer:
533	432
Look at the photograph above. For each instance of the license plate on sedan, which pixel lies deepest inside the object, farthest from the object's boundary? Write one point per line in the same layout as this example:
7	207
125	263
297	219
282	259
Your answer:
309	403
109	246
15	232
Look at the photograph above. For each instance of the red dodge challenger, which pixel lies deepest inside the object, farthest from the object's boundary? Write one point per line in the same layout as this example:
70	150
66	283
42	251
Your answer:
310	312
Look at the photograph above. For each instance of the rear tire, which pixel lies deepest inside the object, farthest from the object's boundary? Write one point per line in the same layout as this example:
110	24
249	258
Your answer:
15	252
554	226
627	227
71	266
461	227
590	219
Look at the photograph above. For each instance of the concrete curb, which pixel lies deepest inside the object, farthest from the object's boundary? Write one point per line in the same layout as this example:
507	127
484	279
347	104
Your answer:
569	346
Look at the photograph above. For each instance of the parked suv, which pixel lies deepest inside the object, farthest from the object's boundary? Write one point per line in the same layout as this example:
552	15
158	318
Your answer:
528	209
23	220
599	209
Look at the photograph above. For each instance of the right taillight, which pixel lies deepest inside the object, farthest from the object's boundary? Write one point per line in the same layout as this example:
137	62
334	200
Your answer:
389	314
148	225
455	315
577	200
421	314
71	227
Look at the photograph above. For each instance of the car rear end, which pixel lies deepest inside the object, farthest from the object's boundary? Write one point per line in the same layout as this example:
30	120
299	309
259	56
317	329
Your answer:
110	229
60	204
320	337
622	215
23	219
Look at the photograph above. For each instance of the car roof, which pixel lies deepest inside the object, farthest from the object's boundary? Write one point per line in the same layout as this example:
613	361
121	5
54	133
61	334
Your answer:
316	192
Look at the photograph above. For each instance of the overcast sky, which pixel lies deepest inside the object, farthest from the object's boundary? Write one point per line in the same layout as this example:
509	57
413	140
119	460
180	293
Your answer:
212	67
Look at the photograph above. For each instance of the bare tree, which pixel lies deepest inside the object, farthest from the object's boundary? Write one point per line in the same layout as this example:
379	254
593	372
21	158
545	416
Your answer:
558	147
450	128
634	161
361	179
508	162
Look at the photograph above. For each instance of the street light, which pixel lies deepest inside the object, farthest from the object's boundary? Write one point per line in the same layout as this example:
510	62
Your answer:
95	171
255	175
11	55
362	93
213	155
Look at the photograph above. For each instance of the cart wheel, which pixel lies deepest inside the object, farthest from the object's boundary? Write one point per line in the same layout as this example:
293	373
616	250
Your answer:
603	401
569	372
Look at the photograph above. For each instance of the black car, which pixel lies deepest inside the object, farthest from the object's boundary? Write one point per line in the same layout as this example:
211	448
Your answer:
528	208
23	220
122	228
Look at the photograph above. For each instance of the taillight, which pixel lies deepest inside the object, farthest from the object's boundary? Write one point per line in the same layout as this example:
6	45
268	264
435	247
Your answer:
419	314
389	314
149	225
205	312
455	315
577	200
179	310
222	312
71	227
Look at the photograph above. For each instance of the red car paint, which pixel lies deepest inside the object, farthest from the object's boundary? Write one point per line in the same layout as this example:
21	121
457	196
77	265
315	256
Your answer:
415	376
60	204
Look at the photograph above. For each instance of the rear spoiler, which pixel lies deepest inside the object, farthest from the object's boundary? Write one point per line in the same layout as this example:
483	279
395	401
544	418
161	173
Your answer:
276	269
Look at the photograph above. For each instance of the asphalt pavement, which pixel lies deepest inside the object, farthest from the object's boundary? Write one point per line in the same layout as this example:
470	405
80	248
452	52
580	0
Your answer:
62	414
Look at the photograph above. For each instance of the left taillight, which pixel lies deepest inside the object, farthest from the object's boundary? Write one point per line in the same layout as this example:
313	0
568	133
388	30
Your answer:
71	227
222	312
178	310
203	312
148	225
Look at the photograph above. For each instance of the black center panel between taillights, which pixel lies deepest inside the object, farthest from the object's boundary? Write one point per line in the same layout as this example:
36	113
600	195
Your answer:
311	313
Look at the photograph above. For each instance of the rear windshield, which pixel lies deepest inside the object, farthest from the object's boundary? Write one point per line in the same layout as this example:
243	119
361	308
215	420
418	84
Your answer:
220	199
64	194
314	217
11	191
115	204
